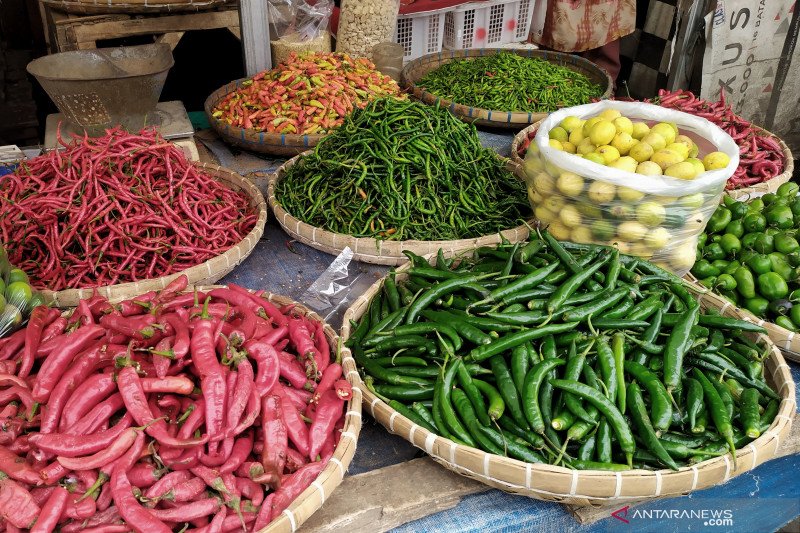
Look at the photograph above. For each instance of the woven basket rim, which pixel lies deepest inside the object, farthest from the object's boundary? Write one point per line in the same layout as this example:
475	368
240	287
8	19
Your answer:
250	138
788	342
332	475
512	119
747	458
519	138
362	246
198	273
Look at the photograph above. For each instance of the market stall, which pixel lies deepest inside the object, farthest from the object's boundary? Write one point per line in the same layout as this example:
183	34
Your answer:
476	293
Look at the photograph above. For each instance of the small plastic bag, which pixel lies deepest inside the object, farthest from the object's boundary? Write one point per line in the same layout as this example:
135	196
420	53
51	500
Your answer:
298	20
299	26
336	289
658	218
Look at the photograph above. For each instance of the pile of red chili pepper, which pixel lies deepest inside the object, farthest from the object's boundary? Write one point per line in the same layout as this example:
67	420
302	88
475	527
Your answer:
211	411
761	157
114	209
307	94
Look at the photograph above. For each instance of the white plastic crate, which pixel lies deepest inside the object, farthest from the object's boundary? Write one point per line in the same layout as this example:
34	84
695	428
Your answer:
420	33
487	24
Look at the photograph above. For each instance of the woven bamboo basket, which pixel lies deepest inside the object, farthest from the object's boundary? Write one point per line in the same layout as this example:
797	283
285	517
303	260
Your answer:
311	499
101	7
587	487
253	140
772	185
375	251
202	274
787	341
417	68
518	148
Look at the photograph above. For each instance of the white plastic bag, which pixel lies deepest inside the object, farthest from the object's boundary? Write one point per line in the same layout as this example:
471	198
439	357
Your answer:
655	217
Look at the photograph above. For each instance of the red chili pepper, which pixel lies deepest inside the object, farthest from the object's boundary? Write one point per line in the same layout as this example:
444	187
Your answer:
166	483
321	343
242	447
180	346
87	395
300	336
13	345
79	445
114	451
252	411
220	456
33	336
276	335
215	526
300	398
163	356
17	507
343	389
143	475
130	387
292	371
294	485
241	393
295	426
16	468
186	491
250	490
136	516
85	363
268	364
331	374
137	327
169	384
59	359
51	512
329	410
275	438
175	287
80	508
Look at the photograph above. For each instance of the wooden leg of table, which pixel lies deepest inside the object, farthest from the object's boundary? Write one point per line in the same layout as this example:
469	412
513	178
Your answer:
172	39
235	31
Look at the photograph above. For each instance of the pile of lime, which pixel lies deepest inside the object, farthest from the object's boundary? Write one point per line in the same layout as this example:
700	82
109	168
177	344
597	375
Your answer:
616	141
17	298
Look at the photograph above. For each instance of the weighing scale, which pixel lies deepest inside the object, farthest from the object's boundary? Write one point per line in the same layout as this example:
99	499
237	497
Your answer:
170	119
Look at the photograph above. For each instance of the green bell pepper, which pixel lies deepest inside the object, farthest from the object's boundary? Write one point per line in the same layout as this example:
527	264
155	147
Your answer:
703	269
756	205
725	282
736	227
779	265
794	314
721	217
780	216
785	243
786	322
731	267
749	240
788	189
765	244
754	222
758	306
772	286
759	264
745	283
731	244
714	251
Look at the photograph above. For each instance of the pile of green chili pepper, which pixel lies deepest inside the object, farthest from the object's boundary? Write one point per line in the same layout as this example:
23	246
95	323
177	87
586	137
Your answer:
567	354
510	82
403	170
750	254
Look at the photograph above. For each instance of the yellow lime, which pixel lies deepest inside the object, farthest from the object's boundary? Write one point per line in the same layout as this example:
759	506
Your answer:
631	231
609	114
558	230
571	124
602	133
657	238
648	168
650	214
580	234
640	129
558	133
626	194
623	125
716	160
601	192
609	153
543	183
569	184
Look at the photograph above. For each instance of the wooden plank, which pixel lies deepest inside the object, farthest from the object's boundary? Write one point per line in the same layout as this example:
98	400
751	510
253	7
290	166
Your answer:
382	499
254	24
143	26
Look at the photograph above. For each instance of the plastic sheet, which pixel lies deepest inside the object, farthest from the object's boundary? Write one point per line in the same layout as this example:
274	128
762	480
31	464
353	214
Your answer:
337	288
299	20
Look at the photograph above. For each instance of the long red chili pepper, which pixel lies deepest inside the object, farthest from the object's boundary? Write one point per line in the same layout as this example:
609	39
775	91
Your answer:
33	336
60	357
17	507
78	445
329	410
293	486
51	512
136	516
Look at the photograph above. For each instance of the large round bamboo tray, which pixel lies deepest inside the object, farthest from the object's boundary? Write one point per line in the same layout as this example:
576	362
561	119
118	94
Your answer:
375	251
251	139
100	7
417	68
772	185
311	499
587	487
787	341
204	273
518	148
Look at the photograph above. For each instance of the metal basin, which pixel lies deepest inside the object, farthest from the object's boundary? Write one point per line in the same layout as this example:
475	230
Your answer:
99	89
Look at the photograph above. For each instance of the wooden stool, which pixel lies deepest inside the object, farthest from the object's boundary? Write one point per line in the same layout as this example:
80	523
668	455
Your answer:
76	32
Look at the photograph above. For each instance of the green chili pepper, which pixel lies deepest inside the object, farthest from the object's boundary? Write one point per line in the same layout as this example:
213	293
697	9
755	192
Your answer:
638	413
